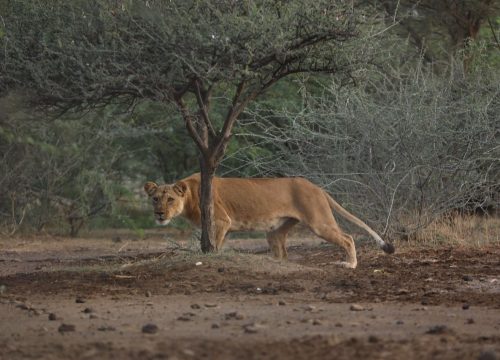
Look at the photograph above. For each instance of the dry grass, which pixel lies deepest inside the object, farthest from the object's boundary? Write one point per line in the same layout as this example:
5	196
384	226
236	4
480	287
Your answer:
463	230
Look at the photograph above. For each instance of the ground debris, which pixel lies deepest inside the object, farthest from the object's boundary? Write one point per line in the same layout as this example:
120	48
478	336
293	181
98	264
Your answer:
150	329
66	328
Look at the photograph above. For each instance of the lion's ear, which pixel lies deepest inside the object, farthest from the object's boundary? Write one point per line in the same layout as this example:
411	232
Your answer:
180	188
150	187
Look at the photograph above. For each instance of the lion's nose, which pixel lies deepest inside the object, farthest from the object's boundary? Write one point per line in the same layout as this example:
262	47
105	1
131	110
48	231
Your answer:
160	214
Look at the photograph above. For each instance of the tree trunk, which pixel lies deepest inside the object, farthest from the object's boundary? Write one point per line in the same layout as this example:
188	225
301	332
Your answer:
207	168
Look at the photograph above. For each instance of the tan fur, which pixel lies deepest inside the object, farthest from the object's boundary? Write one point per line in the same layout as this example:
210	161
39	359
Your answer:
271	205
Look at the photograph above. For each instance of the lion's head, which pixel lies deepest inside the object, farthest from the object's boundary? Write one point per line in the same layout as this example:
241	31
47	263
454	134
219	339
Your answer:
168	200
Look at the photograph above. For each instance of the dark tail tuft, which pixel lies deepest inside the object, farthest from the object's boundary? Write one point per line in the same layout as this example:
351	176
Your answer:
388	248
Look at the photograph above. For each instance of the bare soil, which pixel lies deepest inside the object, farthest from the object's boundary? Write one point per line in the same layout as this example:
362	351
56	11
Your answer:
98	298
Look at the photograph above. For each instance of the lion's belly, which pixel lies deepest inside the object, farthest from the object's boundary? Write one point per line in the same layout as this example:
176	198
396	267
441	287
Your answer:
257	225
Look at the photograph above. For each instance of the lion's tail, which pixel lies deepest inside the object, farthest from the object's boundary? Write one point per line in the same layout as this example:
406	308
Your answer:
387	247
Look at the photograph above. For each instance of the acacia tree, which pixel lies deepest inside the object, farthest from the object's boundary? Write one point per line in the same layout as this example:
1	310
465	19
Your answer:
208	57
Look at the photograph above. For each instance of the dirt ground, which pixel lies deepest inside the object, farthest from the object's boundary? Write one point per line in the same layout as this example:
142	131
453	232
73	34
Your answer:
116	297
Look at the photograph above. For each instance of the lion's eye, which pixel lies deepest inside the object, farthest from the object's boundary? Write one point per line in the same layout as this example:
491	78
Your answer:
170	199
155	199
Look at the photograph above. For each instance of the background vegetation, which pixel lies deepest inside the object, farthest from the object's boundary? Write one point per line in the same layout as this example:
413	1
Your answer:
409	134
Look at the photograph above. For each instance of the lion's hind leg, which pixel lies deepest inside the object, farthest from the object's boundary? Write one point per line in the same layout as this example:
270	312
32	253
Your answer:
333	234
277	238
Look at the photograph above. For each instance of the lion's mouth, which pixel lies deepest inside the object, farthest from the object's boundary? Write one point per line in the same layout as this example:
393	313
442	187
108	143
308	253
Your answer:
162	222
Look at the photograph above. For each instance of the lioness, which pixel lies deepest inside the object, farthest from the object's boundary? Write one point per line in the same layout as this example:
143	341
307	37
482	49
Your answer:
271	205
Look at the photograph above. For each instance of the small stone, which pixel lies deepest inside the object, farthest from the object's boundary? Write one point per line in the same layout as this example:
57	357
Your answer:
234	315
184	318
199	263
80	300
150	329
338	325
310	308
437	329
470	321
356	307
221	270
52	317
252	328
467	278
66	328
3	289
211	305
88	310
195	306
93	316
215	326
400	322
148	293
281	303
465	306
488	355
317	322
373	339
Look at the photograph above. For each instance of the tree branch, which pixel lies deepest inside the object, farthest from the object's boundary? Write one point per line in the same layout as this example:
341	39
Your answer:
189	126
203	107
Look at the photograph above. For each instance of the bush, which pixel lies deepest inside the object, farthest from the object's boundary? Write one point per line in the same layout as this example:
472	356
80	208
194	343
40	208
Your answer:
398	150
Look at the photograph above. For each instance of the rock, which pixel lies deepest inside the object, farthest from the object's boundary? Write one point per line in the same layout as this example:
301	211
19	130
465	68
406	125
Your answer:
195	306
221	270
211	305
373	339
253	328
400	322
234	315
465	306
66	328
310	308
467	278
338	324
317	322
488	355
148	293
215	326
88	310
199	263
52	317
184	318
281	303
356	307
437	329
150	329
470	321
93	316
80	300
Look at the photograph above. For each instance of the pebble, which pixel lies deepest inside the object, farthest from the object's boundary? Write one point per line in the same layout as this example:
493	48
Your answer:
437	329
373	339
317	322
465	306
252	328
88	310
281	303
221	269
470	321
150	329
467	278
234	315
80	300
195	306
400	322
148	293
52	317
66	328
211	305
488	355
356	307
215	326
